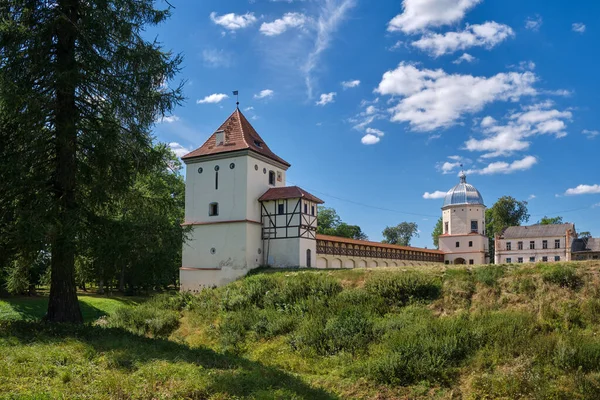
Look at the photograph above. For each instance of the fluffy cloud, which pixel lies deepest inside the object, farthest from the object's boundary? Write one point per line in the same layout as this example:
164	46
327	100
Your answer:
277	27
369	139
501	167
434	195
432	99
233	21
350	84
266	93
326	98
465	57
418	15
213	98
216	58
168	119
374	131
590	134
178	149
511	137
486	35
578	27
583	189
533	23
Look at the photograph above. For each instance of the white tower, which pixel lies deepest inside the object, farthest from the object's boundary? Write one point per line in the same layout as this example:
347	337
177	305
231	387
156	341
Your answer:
463	237
241	213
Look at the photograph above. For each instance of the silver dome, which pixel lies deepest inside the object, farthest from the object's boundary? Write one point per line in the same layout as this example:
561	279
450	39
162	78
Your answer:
463	193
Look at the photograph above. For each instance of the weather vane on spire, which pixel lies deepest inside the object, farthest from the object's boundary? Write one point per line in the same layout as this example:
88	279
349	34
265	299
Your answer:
237	98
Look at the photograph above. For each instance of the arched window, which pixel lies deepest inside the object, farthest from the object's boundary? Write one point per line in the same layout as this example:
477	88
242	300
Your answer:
272	178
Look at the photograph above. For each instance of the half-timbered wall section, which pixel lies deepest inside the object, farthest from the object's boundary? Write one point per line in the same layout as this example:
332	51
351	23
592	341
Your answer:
337	252
289	218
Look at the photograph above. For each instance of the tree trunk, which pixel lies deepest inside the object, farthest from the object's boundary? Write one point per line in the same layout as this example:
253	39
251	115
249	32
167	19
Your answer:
101	286
63	305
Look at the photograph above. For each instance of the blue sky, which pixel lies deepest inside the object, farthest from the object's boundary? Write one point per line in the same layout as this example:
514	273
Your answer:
375	104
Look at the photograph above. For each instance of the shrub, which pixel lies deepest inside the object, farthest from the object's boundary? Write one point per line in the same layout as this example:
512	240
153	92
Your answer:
249	292
578	352
562	275
233	328
302	286
489	274
271	323
401	288
366	301
145	319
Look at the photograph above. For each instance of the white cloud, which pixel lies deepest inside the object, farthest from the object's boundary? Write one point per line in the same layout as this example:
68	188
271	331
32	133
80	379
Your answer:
350	84
168	119
501	167
178	149
326	98
590	134
534	23
213	98
465	57
216	58
266	93
332	14
432	99
434	195
578	27
418	15
370	110
233	21
583	189
526	66
485	35
531	197
448	167
370	139
374	131
501	140
279	26
249	108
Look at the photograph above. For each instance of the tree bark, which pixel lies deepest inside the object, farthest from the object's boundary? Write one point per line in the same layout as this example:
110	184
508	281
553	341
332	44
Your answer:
63	305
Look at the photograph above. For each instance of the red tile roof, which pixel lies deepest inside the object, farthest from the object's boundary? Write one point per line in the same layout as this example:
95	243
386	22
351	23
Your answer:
239	135
375	244
289	192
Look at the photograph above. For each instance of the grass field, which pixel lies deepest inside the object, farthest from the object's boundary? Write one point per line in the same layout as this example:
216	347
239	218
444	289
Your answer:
507	332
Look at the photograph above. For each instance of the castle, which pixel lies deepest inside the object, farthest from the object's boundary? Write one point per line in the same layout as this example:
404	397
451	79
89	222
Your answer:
242	215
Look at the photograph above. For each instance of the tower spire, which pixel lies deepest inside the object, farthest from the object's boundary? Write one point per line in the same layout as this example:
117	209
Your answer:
237	98
462	175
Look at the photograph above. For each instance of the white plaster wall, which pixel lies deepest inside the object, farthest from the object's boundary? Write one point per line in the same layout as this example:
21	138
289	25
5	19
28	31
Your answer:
459	219
335	261
477	252
307	244
228	240
258	183
231	193
254	246
196	280
283	253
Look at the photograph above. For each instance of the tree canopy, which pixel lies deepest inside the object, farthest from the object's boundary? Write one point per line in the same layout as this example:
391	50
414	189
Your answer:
550	221
400	234
80	89
505	212
330	223
437	231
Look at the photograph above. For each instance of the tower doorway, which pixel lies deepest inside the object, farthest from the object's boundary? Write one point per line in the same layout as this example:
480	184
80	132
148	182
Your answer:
459	261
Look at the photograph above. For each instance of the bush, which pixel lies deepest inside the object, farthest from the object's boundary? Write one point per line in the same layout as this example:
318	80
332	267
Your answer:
366	301
578	352
489	274
271	323
145	320
562	275
398	289
302	286
250	292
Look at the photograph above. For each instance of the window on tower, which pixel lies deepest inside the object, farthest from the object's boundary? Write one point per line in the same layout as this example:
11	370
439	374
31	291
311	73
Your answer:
272	178
445	227
470	243
280	209
474	227
457	244
213	209
305	208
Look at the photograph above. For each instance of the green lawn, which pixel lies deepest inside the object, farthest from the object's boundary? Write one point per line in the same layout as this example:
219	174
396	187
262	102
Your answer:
34	308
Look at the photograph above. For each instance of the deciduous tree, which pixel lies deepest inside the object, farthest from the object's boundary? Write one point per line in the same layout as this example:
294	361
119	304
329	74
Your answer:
400	234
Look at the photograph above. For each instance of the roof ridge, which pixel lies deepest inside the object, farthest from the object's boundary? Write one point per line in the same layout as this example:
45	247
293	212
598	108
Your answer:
240	115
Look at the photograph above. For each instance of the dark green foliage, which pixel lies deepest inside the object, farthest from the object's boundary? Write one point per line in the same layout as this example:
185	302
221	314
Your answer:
158	317
562	275
398	289
400	234
437	231
489	274
330	223
303	286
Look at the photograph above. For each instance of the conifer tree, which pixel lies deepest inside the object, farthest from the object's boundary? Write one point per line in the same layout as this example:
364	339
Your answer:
80	89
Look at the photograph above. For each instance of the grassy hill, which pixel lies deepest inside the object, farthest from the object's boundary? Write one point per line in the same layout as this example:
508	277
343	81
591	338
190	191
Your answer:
519	331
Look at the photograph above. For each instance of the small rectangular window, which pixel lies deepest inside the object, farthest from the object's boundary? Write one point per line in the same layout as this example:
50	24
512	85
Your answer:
213	209
508	246
508	260
305	208
312	210
544	244
531	259
272	178
520	260
557	244
445	227
556	258
471	261
280	209
545	259
474	227
520	245
470	244
532	245
457	244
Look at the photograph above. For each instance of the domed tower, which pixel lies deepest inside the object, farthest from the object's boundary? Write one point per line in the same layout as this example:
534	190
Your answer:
463	237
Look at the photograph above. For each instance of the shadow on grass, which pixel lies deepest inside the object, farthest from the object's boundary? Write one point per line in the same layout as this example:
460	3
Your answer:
229	374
